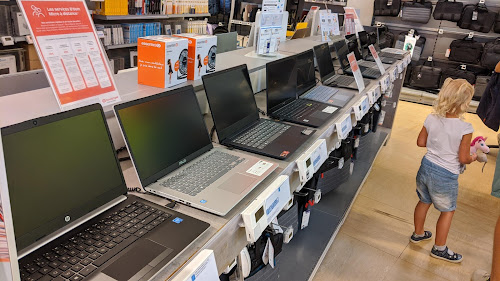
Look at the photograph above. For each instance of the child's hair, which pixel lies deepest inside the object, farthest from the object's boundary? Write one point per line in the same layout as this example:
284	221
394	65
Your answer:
454	97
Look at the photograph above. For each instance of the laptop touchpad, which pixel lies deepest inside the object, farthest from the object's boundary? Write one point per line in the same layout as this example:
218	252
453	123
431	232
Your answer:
143	254
243	182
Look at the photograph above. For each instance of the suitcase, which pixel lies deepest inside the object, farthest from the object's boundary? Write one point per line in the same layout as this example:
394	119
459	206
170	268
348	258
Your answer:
482	23
425	77
448	10
456	73
388	8
491	54
417	11
466	50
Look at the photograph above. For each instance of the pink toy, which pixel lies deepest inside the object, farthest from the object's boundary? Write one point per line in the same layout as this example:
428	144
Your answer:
479	146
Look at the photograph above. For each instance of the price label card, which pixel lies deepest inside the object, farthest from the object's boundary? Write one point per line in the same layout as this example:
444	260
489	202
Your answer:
401	67
356	71
344	126
377	59
384	83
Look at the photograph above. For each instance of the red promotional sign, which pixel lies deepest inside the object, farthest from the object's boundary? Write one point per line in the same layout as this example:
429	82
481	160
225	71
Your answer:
70	51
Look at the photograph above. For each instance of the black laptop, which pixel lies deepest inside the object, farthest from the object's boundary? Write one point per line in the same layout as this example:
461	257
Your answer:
327	71
342	51
73	219
282	99
236	117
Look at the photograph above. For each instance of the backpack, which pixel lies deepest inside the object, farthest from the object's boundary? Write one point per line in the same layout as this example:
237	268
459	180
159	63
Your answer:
213	7
489	106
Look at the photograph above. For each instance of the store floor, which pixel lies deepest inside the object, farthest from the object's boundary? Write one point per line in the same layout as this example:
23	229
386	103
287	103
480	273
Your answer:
373	242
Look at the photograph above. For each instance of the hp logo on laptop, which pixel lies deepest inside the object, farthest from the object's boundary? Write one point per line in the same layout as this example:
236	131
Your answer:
67	218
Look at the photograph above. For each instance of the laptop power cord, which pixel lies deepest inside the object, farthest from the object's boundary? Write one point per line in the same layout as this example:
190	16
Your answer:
135	189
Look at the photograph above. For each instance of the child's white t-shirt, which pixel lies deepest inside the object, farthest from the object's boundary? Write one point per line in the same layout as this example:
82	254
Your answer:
443	140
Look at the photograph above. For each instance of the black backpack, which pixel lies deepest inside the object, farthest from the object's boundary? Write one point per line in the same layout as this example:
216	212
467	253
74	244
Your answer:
447	10
491	54
482	23
425	77
388	8
466	50
458	73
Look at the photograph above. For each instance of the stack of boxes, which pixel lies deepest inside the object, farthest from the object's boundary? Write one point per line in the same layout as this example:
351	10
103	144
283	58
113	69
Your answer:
112	7
202	51
31	56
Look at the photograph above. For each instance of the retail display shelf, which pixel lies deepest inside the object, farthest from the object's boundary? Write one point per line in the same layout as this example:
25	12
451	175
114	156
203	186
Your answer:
111	47
423	97
460	31
240	22
17	39
327	2
149	17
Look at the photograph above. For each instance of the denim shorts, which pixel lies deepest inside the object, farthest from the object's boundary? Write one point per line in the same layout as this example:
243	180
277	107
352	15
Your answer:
438	186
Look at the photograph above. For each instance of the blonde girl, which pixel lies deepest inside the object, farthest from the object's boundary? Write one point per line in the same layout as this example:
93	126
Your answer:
447	139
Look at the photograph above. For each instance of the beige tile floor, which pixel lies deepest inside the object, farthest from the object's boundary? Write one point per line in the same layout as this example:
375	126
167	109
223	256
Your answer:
373	242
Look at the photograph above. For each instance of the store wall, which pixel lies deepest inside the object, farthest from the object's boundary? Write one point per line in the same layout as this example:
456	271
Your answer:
366	10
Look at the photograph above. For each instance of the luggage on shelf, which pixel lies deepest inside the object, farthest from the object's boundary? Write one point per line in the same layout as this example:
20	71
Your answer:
466	50
480	87
477	17
491	54
458	73
448	10
417	11
388	8
419	46
425	77
386	38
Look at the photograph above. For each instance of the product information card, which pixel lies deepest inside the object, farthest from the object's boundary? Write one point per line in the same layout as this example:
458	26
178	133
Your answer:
329	24
68	46
356	71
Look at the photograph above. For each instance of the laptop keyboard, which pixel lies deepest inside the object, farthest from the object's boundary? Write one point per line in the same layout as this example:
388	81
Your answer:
342	80
296	109
391	55
262	134
371	72
195	178
320	93
79	256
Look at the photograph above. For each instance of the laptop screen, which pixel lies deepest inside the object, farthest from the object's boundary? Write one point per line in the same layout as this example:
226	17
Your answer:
163	132
59	168
230	95
306	76
324	60
342	52
353	46
281	82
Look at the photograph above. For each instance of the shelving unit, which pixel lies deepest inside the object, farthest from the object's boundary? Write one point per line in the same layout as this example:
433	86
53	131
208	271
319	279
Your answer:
148	17
327	2
111	47
240	22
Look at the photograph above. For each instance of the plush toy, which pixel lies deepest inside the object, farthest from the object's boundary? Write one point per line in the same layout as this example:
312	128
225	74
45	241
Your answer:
479	147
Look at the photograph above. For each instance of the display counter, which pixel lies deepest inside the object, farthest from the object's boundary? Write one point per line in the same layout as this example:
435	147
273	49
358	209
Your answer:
225	237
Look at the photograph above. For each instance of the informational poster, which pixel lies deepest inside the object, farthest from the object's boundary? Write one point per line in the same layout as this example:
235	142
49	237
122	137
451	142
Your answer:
409	44
269	33
329	25
354	17
68	46
356	71
9	268
273	6
377	59
349	25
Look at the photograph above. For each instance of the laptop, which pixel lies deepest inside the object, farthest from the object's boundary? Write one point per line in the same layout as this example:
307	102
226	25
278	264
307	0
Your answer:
342	52
307	88
174	157
327	72
383	58
282	101
73	219
236	117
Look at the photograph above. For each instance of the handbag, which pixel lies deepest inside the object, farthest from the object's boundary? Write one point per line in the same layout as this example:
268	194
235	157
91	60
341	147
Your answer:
477	18
419	46
480	87
491	54
447	10
466	50
417	11
457	73
425	77
388	8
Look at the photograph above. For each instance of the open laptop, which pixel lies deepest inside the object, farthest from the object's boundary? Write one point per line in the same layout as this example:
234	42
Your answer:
385	59
282	100
327	71
236	117
307	88
73	219
342	52
174	157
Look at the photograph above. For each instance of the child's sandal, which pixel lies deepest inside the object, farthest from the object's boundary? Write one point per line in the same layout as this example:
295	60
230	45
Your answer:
415	239
444	255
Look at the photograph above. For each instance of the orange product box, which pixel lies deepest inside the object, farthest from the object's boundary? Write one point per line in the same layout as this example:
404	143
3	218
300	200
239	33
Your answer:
202	51
162	60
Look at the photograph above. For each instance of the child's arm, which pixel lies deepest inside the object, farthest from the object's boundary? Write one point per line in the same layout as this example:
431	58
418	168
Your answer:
422	138
464	155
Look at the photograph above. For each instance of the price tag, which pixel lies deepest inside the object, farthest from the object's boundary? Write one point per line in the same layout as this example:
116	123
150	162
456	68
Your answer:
356	142
471	35
377	59
305	219
463	67
356	71
474	15
351	168
341	163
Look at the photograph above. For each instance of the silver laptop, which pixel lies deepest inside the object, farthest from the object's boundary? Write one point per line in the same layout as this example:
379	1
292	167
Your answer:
307	88
174	157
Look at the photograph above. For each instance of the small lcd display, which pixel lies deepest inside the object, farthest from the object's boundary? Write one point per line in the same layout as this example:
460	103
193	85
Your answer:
308	162
259	214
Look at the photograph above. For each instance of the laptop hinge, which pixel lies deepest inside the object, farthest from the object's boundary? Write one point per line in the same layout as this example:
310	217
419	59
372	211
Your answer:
49	238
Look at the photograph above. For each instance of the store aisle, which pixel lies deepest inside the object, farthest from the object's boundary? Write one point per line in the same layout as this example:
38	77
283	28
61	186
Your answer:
373	243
